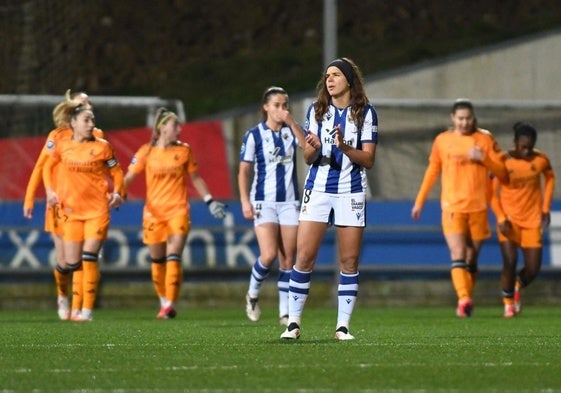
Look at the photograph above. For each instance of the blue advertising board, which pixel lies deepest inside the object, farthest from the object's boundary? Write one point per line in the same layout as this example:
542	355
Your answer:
392	238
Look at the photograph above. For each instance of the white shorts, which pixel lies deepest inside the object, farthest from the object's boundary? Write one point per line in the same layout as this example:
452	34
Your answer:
342	210
282	213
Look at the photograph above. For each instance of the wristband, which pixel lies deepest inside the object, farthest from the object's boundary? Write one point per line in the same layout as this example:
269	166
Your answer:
208	199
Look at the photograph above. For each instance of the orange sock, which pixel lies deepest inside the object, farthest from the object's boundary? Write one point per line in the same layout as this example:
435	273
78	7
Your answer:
174	277
77	287
62	278
91	282
462	282
159	277
472	279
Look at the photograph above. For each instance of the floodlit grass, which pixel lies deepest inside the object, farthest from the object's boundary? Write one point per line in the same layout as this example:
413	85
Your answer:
218	350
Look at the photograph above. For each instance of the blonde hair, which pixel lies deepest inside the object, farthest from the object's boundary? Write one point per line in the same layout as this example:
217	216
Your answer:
63	111
163	115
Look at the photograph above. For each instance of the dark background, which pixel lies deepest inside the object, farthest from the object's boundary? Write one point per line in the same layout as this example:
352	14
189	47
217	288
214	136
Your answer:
220	54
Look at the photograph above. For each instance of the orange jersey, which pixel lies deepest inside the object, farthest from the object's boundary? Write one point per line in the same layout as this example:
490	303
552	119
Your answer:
166	169
524	198
464	182
85	168
55	136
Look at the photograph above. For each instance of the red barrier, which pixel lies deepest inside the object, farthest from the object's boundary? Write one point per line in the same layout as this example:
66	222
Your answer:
18	156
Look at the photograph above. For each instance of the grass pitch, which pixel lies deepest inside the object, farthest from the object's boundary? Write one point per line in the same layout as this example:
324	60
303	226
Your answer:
219	350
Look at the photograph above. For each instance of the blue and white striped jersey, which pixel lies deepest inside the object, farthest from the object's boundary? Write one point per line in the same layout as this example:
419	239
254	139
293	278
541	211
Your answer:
274	159
334	172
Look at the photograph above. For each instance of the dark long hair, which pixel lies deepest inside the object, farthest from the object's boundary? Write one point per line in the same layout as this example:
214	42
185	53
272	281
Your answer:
358	103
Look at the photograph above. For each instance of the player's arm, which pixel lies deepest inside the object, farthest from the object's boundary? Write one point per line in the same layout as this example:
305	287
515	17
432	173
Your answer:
127	180
52	197
312	148
431	176
497	207
117	197
33	184
216	208
364	157
295	127
494	161
244	175
549	187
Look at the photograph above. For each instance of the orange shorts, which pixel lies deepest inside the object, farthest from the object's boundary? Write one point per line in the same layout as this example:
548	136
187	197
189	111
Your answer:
78	230
156	231
475	224
523	237
54	220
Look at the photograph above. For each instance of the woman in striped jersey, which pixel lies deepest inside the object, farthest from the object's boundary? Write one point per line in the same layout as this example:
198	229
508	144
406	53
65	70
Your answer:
340	146
271	200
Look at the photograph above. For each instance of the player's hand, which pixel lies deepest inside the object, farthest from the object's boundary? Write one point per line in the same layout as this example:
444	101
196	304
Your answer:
505	227
28	213
217	209
248	211
476	154
338	138
546	220
313	140
52	197
115	200
416	213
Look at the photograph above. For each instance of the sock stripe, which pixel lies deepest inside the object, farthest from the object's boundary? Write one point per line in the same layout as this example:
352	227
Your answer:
74	266
62	270
89	256
173	258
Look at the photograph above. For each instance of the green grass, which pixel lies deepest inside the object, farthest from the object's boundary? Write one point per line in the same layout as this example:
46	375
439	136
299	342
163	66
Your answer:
218	350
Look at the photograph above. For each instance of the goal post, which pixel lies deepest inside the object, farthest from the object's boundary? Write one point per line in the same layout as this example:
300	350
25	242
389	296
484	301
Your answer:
31	115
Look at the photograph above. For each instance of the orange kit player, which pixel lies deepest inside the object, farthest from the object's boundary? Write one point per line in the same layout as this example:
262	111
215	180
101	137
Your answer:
82	193
166	223
522	208
62	273
463	157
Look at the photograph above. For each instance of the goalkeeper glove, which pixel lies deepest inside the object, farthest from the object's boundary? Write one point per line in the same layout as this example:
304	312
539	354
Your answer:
216	208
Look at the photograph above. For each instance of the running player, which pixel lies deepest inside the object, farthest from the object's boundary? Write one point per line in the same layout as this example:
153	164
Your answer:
268	150
62	273
522	208
84	198
463	156
166	223
340	147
